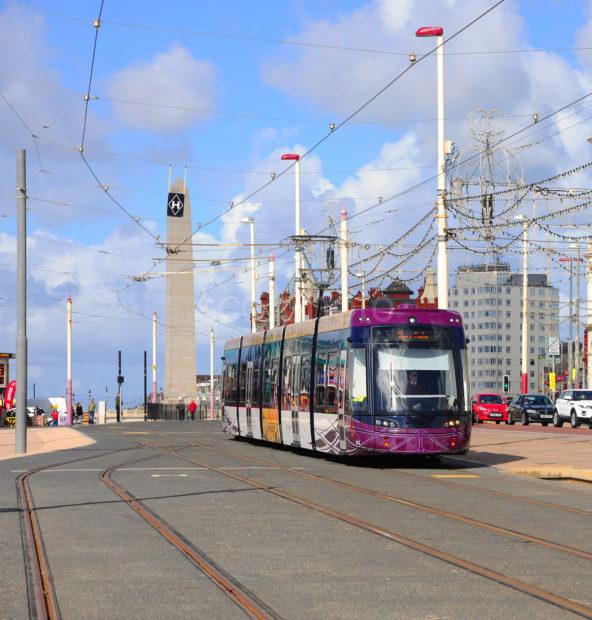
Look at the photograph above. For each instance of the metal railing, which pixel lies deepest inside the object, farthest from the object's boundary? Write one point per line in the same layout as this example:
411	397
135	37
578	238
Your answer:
176	412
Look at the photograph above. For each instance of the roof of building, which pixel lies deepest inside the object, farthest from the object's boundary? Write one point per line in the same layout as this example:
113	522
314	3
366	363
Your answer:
398	286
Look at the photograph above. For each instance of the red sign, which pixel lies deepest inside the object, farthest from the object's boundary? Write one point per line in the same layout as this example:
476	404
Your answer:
9	394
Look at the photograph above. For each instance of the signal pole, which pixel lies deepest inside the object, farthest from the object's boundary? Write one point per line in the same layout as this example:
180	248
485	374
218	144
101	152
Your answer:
145	385
21	330
119	382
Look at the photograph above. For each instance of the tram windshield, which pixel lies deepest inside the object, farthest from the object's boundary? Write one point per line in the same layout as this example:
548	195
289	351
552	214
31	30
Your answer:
414	371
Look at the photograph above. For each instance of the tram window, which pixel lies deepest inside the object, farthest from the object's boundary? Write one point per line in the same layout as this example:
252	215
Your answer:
358	390
267	383
331	390
275	364
321	371
286	386
304	382
242	384
255	387
230	384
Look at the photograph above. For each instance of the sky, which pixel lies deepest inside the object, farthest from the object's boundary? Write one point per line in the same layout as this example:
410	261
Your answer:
219	91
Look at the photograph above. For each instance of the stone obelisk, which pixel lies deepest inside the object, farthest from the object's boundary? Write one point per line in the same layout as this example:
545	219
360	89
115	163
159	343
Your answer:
179	373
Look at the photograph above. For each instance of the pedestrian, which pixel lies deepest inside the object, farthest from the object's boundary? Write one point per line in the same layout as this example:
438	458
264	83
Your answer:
91	411
192	408
181	409
54	417
78	413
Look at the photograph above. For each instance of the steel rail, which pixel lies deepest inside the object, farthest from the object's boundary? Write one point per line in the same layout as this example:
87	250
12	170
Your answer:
42	599
440	512
492	575
238	593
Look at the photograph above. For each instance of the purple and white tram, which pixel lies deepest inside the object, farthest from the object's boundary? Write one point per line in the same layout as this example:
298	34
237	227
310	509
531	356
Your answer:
359	382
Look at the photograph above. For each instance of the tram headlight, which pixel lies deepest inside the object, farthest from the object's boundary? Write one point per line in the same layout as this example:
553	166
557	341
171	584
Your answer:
386	423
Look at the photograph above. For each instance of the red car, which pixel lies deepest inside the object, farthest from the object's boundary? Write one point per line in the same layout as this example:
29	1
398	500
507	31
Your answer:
489	407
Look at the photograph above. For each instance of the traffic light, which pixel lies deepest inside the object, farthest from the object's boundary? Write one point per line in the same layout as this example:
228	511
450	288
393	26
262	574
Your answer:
506	384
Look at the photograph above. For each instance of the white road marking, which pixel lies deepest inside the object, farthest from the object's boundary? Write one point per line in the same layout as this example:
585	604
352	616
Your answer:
169	475
257	467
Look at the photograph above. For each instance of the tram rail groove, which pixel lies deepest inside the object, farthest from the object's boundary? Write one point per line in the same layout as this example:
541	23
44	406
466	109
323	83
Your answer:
41	594
466	520
440	512
556	600
246	600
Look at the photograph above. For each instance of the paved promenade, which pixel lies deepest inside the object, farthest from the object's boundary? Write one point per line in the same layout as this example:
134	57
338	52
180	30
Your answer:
42	439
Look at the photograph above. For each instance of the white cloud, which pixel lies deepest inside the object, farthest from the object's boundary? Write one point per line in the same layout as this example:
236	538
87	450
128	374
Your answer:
174	77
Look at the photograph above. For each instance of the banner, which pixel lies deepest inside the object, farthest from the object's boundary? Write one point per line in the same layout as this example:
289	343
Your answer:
9	394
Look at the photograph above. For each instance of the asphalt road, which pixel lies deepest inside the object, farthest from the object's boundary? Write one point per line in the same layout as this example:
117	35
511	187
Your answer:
242	505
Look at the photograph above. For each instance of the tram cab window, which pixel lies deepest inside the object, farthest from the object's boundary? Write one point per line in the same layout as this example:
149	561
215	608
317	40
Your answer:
358	390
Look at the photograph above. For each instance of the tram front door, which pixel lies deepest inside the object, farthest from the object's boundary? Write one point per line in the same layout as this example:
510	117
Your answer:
295	384
341	377
249	398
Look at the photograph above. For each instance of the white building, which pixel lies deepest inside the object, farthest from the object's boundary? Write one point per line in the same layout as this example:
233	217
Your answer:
489	298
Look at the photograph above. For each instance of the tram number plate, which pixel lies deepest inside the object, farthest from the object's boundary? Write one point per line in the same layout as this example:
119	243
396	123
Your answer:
495	415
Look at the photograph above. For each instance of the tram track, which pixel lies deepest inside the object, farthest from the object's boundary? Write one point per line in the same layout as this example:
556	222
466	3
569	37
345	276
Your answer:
246	600
556	600
465	520
42	597
41	594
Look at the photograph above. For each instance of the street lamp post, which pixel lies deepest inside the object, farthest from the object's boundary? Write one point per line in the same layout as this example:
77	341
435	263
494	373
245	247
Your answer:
298	253
251	221
524	350
442	264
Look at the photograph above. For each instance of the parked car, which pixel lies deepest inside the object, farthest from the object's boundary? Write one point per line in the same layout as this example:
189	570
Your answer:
575	406
529	408
489	407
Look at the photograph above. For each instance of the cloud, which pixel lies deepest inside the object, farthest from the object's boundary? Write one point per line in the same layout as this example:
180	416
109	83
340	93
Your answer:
174	78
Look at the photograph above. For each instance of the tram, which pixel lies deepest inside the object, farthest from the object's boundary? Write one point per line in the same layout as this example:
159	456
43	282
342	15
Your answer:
372	381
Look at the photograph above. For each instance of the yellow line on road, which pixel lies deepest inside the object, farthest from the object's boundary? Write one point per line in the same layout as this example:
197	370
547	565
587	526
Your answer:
455	476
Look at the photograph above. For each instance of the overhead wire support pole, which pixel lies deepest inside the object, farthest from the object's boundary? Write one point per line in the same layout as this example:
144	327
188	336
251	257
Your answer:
154	324
524	347
297	232
21	333
271	291
344	261
69	359
589	317
212	414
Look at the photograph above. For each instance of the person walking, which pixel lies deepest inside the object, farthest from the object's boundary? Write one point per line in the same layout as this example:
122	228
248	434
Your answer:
192	409
78	413
54	417
91	411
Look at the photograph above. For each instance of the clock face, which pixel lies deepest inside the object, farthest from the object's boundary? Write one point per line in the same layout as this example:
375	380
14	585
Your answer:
175	204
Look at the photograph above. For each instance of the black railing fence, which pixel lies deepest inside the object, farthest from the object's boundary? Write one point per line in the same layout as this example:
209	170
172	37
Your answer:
177	412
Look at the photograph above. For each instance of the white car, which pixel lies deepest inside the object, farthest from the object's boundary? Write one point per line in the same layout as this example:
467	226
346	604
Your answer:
575	406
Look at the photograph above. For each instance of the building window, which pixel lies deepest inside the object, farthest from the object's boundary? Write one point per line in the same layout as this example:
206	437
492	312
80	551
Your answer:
508	349
508	314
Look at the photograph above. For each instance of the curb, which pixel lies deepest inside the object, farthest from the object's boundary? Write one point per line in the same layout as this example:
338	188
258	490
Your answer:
554	472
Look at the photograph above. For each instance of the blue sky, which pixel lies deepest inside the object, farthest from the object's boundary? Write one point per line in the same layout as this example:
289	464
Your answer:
87	247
